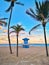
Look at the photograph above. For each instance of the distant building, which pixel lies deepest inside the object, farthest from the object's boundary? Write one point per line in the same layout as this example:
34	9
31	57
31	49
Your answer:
25	45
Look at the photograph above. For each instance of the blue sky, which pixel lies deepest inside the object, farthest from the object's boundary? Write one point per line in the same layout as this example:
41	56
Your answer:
19	14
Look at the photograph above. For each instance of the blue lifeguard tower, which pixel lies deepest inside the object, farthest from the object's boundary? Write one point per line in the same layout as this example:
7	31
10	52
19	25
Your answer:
25	45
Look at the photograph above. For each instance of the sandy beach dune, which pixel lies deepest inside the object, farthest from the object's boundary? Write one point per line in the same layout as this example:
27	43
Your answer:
29	56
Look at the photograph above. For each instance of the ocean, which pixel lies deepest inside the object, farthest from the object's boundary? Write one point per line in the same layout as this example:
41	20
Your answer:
35	45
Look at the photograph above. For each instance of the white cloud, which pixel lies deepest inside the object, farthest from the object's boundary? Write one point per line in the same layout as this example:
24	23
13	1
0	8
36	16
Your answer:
19	23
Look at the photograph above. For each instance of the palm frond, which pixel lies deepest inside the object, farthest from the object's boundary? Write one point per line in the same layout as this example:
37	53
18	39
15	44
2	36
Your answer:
33	16
9	8
20	3
27	12
22	29
7	0
3	23
32	11
44	9
13	27
3	18
12	32
34	28
37	5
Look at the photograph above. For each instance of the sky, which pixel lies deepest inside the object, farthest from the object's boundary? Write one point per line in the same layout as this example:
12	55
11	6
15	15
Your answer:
19	16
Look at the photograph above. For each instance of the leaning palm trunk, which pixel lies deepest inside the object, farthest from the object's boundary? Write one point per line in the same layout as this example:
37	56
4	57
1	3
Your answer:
45	40
17	45
8	31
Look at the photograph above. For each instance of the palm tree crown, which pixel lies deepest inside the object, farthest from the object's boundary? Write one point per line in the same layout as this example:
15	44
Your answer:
42	11
17	28
12	4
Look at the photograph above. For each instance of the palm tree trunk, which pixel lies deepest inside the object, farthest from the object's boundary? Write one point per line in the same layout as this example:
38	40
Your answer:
8	32
17	45
45	41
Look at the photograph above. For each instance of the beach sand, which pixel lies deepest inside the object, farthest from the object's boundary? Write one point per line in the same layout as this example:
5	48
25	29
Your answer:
27	56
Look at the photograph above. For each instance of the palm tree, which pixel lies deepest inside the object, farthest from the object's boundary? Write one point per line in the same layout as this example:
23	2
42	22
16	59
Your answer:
17	29
11	9
41	14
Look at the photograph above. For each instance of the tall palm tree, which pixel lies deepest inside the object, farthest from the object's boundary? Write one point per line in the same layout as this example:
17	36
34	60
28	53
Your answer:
17	29
41	14
11	9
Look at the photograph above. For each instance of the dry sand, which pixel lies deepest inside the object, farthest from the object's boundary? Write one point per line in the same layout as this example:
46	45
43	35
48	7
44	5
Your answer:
27	56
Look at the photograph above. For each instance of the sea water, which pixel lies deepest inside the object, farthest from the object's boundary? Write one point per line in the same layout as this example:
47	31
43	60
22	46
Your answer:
36	45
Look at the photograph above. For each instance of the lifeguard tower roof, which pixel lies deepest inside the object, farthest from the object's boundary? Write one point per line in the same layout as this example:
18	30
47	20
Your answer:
25	39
